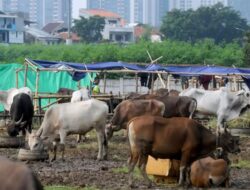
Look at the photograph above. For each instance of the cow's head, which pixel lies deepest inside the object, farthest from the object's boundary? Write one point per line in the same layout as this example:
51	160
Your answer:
35	142
230	143
245	96
13	127
109	131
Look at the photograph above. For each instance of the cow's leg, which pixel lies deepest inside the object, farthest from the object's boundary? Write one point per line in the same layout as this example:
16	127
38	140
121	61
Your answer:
183	167
142	166
102	144
134	156
54	151
62	134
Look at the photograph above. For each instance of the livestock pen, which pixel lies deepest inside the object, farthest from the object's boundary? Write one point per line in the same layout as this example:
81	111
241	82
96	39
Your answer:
80	169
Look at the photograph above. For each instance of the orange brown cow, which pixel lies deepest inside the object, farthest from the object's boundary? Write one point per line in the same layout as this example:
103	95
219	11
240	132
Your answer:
176	138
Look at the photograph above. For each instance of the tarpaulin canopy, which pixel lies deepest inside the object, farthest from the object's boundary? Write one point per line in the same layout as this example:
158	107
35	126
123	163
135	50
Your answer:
78	70
74	68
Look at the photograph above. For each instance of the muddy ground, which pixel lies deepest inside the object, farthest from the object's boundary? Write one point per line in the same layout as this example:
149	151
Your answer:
81	169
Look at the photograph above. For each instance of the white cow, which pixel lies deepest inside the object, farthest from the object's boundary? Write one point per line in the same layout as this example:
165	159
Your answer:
73	118
80	95
224	104
6	97
77	96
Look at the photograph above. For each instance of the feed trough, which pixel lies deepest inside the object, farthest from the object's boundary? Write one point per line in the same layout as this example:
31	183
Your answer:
35	155
12	142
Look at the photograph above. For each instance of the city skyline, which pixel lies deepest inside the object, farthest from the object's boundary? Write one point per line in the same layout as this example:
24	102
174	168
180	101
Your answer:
42	12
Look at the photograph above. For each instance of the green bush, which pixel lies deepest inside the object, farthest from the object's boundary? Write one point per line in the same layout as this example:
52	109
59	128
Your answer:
173	52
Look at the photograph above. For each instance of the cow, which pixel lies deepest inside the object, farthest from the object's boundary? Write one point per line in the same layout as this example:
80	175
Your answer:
222	103
176	138
17	176
80	95
209	172
128	109
176	106
6	97
77	96
73	118
64	91
21	113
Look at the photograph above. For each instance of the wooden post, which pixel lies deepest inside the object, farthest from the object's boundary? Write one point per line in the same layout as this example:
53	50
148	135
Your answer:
168	83
79	84
121	86
17	78
105	82
235	83
136	82
25	74
37	87
152	83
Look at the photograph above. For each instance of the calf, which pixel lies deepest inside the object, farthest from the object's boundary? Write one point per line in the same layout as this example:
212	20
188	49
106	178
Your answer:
209	172
74	118
129	109
21	113
176	138
17	176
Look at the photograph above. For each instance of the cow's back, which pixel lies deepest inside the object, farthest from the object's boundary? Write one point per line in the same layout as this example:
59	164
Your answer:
129	109
73	116
22	105
17	176
207	172
166	135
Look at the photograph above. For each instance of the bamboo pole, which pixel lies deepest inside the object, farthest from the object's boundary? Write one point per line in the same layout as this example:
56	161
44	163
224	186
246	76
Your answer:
136	82
105	82
36	92
17	78
25	74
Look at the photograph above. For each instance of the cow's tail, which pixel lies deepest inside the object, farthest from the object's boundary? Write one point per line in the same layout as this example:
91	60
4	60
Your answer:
192	107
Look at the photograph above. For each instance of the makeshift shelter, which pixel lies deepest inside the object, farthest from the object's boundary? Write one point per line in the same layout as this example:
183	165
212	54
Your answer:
50	82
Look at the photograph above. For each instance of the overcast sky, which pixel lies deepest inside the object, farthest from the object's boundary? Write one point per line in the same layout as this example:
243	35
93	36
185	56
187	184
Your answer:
76	5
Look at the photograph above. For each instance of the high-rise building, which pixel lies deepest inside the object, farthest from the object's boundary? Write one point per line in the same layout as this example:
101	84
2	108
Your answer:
76	6
193	4
134	11
153	11
41	12
242	6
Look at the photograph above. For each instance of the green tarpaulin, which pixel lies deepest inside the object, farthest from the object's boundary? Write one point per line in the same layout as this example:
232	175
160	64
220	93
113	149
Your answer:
49	82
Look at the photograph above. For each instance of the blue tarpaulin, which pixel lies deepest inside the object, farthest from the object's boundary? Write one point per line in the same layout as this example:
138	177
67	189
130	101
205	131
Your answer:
176	69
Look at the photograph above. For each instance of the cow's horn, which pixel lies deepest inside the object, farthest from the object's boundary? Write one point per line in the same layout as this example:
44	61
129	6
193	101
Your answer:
19	121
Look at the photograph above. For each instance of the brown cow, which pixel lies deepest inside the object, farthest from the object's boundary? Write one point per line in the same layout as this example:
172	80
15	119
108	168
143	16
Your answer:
17	176
129	109
209	172
179	138
175	106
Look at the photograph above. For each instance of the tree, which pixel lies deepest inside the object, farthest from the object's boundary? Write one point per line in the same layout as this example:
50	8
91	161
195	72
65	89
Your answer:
247	49
217	22
89	29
